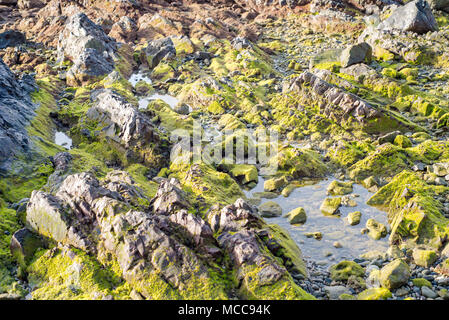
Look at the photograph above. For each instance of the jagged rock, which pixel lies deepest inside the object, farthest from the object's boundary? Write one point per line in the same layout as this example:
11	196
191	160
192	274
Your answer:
355	54
87	45
347	103
124	30
159	49
239	43
17	110
169	198
24	244
415	16
11	38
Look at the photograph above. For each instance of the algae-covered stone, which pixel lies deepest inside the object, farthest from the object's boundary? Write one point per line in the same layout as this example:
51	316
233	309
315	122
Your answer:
374	294
274	184
24	244
395	274
330	206
339	188
354	218
270	209
345	269
376	230
424	258
316	235
421	282
402	141
297	216
244	173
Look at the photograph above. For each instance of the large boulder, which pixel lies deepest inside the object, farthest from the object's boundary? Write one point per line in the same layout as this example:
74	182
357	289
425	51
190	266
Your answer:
17	110
90	49
159	49
442	5
415	16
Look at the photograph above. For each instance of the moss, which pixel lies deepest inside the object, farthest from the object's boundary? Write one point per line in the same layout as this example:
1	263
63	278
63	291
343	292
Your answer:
390	72
55	275
275	184
140	173
243	173
349	153
376	230
421	282
343	270
375	294
382	54
299	163
424	258
330	206
402	141
215	108
413	212
386	160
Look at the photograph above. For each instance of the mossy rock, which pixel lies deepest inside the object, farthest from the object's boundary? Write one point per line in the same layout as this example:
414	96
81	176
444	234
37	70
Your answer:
343	270
270	209
376	230
394	274
402	141
297	216
354	218
330	206
274	184
375	294
243	173
421	282
424	258
339	188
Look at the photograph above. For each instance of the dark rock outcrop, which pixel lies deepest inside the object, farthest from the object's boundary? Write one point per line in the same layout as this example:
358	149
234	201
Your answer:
11	38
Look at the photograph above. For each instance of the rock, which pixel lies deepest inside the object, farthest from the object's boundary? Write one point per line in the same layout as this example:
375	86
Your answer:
125	125
416	16
297	216
124	30
374	294
355	54
428	293
274	184
24	244
17	112
159	49
354	218
338	188
389	137
421	282
240	43
30	4
334	292
337	245
87	45
345	269
316	235
395	274
376	230
402	141
373	280
424	258
359	71
270	209
169	198
11	38
330	206
442	5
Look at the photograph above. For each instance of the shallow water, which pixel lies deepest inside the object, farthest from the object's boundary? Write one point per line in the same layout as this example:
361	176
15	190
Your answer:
136	77
168	99
61	139
333	228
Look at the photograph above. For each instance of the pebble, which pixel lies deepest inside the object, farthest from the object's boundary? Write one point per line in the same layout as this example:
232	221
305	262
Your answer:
337	245
429	293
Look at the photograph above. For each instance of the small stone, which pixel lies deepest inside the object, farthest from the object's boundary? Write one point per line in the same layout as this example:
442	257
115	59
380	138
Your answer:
424	258
330	206
297	216
354	218
337	245
428	293
394	274
270	209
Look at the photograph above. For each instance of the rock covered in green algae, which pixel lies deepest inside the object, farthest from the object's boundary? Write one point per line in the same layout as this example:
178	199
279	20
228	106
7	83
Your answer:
354	218
424	258
274	184
402	141
374	294
330	206
343	270
376	230
395	274
270	209
339	188
297	216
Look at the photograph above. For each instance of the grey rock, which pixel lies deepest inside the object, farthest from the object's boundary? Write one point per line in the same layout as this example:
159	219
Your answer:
415	16
428	293
11	38
333	292
355	54
169	198
159	49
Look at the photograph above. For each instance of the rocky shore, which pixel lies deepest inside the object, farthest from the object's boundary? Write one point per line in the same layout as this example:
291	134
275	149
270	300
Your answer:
341	106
